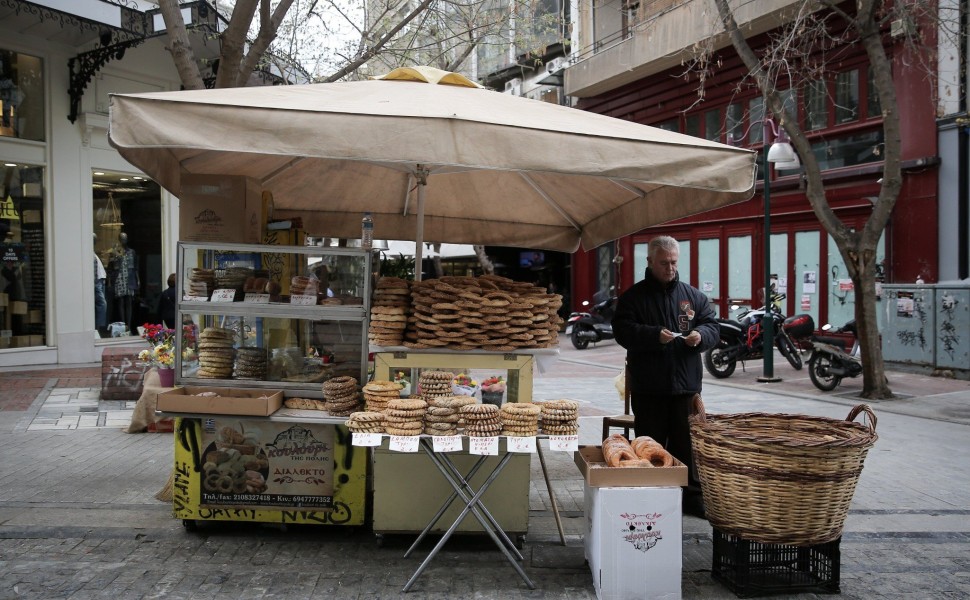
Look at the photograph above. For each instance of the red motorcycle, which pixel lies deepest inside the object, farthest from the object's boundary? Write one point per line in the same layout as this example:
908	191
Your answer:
741	340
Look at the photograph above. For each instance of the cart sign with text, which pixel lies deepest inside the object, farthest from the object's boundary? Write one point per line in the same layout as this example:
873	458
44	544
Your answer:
259	463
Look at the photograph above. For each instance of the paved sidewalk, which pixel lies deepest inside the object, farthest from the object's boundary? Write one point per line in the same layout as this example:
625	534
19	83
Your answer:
78	518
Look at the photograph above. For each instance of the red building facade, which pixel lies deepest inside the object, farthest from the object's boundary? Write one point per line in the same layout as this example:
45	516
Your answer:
722	251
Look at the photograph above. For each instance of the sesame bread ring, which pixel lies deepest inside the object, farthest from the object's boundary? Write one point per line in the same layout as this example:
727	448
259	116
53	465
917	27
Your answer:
521	408
478	409
407	404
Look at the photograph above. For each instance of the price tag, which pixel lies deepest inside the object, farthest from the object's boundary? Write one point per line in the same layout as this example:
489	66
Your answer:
446	443
257	298
365	439
404	443
223	295
483	446
195	298
564	443
521	444
304	300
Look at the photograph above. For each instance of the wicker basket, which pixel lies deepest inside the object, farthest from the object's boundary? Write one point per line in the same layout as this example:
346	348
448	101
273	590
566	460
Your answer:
780	478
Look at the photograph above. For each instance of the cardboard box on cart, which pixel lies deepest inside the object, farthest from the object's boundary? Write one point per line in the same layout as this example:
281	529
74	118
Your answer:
227	401
221	208
634	536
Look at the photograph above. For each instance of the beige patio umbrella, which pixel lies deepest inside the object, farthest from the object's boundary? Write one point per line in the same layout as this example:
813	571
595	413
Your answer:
442	162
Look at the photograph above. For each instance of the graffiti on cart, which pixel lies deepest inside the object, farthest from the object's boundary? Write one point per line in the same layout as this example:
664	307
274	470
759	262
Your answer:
119	376
948	330
180	486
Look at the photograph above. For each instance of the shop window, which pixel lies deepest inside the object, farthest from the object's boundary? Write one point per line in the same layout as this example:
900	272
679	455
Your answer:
847	97
605	272
128	242
21	96
23	291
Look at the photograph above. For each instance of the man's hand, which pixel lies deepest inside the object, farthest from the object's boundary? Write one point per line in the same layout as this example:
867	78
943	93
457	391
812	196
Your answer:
692	339
667	336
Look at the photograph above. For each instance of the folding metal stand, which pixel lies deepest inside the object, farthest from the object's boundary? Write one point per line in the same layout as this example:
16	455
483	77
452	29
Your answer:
472	499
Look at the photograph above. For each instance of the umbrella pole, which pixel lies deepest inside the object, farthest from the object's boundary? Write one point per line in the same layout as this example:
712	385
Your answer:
422	177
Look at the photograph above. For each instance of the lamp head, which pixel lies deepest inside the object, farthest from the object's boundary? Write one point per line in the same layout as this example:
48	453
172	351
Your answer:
781	152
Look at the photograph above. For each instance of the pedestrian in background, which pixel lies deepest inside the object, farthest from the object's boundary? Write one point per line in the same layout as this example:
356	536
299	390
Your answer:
166	304
665	324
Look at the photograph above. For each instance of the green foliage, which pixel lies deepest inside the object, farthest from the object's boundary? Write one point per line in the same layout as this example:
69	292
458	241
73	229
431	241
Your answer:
402	266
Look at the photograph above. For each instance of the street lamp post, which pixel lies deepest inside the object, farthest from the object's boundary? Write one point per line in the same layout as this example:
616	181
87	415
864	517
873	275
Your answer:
783	156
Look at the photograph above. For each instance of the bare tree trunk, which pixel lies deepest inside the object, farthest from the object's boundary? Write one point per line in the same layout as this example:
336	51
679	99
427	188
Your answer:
439	270
233	41
179	46
268	27
857	248
487	265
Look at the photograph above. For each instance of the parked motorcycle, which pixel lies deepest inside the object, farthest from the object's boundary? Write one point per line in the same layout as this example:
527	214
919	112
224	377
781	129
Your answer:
741	339
593	326
835	357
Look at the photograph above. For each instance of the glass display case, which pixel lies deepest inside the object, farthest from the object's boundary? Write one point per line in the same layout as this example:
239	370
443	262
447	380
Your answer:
285	317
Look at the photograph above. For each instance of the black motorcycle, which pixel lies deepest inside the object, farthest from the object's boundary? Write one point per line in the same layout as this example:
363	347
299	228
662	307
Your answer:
741	339
834	356
593	326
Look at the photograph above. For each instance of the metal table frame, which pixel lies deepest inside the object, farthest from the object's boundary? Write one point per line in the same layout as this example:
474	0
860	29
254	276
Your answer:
473	504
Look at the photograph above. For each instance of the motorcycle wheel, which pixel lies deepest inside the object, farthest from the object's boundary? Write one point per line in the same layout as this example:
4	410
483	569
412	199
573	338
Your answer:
578	342
819	372
790	352
717	365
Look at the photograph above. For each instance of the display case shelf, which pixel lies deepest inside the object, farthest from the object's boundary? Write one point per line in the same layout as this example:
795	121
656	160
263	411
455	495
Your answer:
286	317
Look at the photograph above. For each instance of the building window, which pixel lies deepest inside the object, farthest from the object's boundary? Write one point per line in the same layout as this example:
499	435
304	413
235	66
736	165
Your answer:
816	105
734	122
847	97
128	242
692	125
668	125
23	291
849	150
712	125
873	106
756	116
21	96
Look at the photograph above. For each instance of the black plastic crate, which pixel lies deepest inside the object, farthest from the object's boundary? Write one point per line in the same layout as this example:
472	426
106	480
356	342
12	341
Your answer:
750	568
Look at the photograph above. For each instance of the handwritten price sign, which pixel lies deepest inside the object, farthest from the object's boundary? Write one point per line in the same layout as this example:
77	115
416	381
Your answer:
564	443
483	446
404	443
446	443
223	295
257	298
525	445
303	299
365	439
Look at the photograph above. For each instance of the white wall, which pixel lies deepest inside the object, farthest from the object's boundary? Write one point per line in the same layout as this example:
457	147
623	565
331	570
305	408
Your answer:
72	152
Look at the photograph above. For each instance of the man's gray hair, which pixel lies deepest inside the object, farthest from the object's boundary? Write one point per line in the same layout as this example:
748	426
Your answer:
662	242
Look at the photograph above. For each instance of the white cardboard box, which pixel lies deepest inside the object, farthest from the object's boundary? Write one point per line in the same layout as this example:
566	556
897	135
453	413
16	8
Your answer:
634	541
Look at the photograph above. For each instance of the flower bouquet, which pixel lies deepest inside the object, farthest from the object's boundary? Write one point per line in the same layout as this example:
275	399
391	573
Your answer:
463	385
161	355
402	378
492	390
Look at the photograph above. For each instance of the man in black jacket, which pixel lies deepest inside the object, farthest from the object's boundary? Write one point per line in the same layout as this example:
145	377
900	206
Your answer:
665	324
